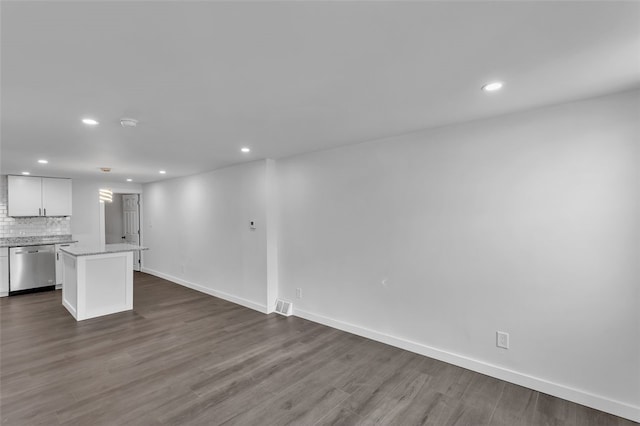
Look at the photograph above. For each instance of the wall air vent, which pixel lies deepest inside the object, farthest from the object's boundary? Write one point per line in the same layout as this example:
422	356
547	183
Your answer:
283	307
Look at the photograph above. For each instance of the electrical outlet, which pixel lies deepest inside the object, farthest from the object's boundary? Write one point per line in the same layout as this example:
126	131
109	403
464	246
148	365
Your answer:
299	293
502	339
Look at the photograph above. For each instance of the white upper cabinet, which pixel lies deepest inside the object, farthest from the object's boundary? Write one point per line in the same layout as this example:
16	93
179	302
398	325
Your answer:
56	197
25	196
37	196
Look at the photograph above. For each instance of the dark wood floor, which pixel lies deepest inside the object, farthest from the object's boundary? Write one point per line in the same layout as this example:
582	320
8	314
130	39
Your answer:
182	357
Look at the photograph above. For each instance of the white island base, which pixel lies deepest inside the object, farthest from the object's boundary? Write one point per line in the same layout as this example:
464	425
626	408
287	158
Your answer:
97	284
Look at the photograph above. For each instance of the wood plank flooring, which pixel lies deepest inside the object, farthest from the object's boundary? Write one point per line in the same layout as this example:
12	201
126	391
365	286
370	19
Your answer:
185	358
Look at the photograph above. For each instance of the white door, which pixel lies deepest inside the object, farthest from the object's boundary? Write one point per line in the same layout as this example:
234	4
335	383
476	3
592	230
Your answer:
56	197
131	222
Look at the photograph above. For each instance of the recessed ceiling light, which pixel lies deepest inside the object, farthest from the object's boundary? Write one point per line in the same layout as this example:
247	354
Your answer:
43	161
26	173
128	122
492	87
90	121
245	149
129	180
163	172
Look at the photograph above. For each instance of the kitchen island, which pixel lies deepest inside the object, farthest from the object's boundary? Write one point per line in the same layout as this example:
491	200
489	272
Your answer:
97	280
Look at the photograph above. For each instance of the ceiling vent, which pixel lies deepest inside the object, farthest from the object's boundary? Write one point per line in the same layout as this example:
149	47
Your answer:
128	122
283	307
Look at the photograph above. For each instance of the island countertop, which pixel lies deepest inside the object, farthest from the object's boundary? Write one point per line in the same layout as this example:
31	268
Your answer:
88	250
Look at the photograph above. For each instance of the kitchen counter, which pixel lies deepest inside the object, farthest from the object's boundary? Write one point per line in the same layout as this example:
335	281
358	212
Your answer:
97	279
36	241
90	250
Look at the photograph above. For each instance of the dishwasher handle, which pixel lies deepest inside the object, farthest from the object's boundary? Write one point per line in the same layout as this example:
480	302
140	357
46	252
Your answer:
32	250
27	251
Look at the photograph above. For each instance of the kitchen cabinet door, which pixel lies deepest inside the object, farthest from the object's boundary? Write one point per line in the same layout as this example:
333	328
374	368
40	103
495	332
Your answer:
25	196
56	197
59	264
4	271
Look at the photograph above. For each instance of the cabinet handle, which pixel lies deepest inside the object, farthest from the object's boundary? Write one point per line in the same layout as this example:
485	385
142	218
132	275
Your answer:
39	211
57	256
45	212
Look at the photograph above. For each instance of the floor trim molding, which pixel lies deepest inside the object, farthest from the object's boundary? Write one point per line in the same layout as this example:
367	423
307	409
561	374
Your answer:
561	391
70	309
211	292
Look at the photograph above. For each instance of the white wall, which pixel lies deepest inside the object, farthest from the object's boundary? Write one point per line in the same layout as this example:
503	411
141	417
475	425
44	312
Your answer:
197	231
113	221
527	223
85	222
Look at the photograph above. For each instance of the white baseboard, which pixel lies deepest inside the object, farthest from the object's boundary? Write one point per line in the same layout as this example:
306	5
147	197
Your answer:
598	402
212	292
70	309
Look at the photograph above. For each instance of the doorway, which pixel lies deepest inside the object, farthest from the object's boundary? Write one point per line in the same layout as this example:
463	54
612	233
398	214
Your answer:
122	222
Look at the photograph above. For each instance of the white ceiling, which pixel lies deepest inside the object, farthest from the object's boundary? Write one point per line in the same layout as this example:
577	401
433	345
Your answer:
205	78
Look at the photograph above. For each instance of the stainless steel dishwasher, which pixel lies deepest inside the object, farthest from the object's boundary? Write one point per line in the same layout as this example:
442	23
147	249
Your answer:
31	267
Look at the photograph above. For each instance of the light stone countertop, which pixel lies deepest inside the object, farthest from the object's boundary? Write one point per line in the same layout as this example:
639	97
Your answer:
36	241
88	250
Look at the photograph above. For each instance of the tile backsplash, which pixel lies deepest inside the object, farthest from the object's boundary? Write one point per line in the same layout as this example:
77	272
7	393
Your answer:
28	226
